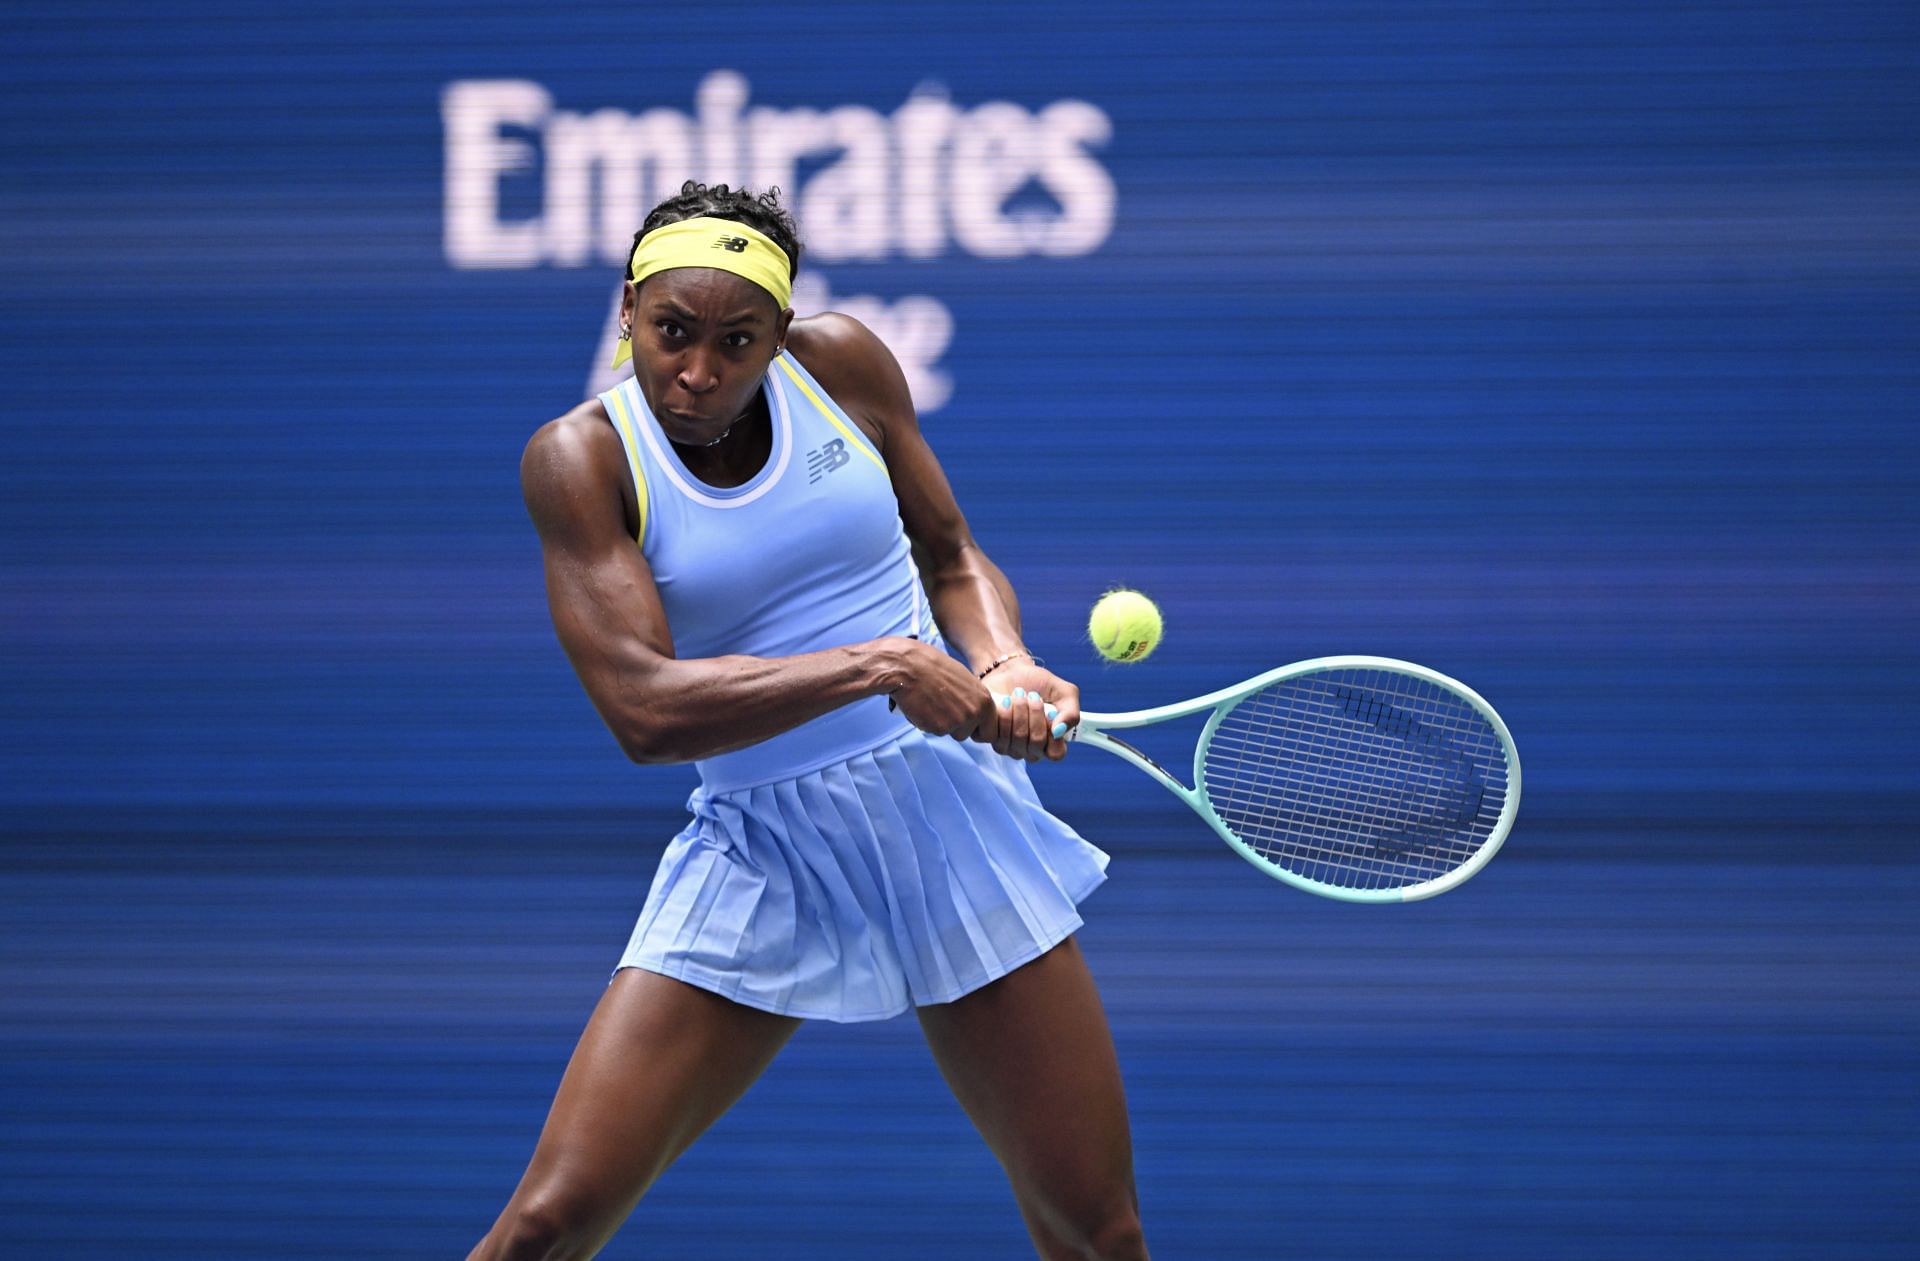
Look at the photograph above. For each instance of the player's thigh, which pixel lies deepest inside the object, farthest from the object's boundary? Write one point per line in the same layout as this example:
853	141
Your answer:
1031	1060
659	1062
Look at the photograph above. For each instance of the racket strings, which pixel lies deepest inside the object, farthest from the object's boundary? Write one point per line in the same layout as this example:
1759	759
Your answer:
1358	778
1342	817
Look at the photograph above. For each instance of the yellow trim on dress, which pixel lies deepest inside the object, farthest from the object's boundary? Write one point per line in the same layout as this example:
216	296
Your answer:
826	411
625	420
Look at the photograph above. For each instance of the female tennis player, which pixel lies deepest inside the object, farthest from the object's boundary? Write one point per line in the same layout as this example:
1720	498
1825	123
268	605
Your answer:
736	539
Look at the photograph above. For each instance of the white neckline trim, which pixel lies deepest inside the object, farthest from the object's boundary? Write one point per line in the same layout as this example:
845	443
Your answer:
782	441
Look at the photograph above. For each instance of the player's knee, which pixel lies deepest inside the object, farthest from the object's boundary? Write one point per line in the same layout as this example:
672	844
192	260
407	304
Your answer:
542	1228
1101	1230
1117	1236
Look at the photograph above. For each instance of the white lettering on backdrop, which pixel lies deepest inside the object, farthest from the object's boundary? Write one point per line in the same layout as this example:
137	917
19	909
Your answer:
928	178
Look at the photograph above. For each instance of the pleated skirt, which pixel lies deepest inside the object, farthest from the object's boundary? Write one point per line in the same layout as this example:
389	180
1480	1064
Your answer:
906	875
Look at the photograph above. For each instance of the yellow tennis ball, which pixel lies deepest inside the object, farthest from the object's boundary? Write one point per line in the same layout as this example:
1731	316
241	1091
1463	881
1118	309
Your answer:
1124	626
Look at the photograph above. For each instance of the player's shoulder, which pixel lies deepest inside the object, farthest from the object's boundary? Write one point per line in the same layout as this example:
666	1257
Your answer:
582	437
574	452
830	334
851	361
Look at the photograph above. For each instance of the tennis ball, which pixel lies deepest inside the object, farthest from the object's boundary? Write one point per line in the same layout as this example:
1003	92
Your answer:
1124	626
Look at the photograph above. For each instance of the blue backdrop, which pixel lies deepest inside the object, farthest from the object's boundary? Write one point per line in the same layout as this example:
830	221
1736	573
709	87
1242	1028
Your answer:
1568	349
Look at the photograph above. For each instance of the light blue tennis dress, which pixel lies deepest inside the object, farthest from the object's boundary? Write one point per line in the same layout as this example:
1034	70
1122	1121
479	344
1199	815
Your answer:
854	866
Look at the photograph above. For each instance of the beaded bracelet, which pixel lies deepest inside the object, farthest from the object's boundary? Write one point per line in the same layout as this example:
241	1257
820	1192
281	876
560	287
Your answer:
1012	656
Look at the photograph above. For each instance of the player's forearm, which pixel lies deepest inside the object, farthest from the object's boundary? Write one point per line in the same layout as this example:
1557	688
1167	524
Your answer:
975	607
688	710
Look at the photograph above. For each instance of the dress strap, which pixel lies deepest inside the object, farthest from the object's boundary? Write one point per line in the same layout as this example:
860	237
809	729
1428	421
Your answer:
801	378
617	406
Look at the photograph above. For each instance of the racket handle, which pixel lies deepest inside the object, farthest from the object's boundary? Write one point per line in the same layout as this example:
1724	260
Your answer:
1052	711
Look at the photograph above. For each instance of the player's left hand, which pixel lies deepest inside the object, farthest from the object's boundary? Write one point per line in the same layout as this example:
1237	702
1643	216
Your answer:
1034	703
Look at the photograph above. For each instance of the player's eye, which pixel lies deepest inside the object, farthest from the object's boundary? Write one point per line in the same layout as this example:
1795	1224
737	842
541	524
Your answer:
670	329
737	340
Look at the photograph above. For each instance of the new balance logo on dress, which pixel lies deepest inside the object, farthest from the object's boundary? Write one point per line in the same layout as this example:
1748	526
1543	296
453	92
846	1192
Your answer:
826	459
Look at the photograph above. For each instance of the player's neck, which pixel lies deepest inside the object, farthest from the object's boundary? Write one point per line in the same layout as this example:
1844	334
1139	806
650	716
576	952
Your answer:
738	454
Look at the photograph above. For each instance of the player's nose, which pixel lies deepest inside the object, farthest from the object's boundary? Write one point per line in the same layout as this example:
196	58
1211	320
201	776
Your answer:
697	374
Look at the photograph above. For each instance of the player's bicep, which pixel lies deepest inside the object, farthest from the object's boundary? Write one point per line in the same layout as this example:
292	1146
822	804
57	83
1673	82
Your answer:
605	606
606	609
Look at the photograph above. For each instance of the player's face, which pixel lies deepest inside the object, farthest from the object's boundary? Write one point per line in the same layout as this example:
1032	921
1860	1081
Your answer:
702	340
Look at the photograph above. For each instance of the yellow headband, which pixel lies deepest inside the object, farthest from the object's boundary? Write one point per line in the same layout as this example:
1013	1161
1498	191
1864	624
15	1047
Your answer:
718	243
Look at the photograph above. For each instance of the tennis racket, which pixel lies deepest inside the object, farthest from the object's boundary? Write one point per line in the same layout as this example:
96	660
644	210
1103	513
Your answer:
1360	778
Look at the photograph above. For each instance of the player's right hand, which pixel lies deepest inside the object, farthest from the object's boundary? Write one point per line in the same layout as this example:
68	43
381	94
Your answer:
940	695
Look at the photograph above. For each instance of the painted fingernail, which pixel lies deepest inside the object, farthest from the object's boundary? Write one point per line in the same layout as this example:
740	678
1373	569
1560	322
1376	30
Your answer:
1052	712
1006	702
1019	693
1059	729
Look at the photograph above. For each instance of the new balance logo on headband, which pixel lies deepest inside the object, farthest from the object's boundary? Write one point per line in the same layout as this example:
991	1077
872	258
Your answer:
735	244
826	459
